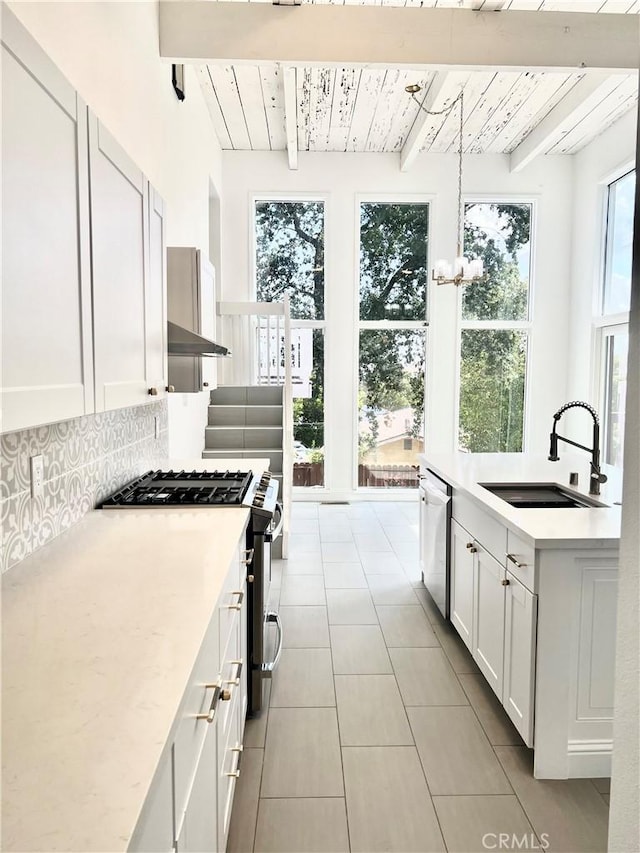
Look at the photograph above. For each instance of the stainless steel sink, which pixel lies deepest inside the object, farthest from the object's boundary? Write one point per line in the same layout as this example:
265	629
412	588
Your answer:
539	496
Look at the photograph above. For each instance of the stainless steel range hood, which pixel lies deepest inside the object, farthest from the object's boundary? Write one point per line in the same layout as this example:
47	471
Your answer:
183	342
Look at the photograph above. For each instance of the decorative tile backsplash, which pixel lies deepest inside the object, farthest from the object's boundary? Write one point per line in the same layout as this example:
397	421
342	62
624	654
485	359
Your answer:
85	459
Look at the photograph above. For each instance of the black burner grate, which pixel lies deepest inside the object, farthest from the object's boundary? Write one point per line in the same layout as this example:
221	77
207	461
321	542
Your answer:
183	488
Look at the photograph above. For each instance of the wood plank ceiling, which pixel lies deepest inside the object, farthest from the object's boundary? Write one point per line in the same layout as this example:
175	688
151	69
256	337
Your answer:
368	110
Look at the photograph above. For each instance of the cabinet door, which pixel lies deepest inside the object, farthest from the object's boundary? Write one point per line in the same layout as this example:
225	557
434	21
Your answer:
118	214
156	296
462	582
422	526
198	831
154	831
519	656
229	758
488	621
47	371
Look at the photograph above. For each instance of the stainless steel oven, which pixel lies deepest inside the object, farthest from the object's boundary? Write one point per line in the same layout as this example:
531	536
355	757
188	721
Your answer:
265	527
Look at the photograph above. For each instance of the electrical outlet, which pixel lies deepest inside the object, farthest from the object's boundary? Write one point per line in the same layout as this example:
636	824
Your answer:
156	426
37	476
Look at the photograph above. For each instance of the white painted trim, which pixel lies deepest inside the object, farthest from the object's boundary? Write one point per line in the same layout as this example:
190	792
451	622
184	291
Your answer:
602	322
589	758
607	320
339	35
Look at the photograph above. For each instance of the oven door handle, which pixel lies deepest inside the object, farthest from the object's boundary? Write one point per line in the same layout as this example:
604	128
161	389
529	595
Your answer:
272	535
267	668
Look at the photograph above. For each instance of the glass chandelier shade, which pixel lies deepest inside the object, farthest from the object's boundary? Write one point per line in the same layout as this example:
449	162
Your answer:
464	270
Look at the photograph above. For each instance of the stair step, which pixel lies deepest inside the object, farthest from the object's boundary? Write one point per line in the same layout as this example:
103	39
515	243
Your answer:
227	414
252	395
250	437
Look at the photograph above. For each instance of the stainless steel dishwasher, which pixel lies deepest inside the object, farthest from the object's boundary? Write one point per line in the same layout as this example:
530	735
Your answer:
435	543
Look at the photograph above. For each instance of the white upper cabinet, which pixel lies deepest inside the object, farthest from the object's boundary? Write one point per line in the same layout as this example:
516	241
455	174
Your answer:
47	370
84	253
156	296
118	215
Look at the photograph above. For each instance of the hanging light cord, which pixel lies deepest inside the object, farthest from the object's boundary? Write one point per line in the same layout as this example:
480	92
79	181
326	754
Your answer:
446	111
460	204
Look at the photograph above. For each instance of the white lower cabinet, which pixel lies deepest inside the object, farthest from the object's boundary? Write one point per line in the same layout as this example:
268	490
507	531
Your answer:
495	614
229	757
462	568
198	830
188	808
520	615
488	622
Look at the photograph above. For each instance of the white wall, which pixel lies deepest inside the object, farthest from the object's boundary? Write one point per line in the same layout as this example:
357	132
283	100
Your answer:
606	158
340	178
109	52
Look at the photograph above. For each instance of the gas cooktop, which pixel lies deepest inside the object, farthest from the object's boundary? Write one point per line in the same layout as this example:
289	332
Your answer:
183	488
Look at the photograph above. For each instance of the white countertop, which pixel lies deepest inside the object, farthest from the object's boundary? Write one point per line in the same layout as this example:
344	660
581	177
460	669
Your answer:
592	527
100	631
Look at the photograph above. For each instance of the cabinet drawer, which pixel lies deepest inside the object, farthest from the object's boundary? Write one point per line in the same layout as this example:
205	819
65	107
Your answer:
229	758
232	673
521	560
231	601
198	697
482	527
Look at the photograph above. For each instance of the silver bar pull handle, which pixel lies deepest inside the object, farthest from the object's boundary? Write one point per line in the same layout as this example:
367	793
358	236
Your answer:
238	605
515	562
267	668
235	774
236	681
210	715
248	556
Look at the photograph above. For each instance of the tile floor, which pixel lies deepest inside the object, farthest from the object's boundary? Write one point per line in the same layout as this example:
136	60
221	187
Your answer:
380	733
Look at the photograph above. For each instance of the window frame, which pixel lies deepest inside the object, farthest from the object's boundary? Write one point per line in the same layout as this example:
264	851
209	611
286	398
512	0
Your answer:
298	323
526	326
427	199
603	324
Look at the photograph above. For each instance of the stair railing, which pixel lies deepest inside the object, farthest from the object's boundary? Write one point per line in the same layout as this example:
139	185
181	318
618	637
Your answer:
259	337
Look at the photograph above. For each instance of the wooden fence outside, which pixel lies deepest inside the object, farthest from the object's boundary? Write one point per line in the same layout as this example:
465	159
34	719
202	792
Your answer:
379	476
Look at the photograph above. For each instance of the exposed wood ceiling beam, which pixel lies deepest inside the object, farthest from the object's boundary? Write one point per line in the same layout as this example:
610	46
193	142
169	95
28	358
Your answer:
432	101
577	104
332	35
291	115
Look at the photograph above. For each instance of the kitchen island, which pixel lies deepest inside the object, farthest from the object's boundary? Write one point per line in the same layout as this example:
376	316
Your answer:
103	632
533	596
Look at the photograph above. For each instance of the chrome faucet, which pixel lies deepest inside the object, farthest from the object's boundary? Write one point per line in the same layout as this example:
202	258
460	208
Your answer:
596	476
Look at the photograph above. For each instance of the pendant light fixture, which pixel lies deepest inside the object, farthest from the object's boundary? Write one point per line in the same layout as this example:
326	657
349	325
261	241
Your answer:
463	270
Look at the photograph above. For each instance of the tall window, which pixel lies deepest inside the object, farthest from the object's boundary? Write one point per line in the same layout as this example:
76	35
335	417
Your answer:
612	325
495	329
290	260
393	310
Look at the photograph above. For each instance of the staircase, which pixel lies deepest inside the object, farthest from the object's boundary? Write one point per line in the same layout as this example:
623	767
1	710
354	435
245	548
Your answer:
246	422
